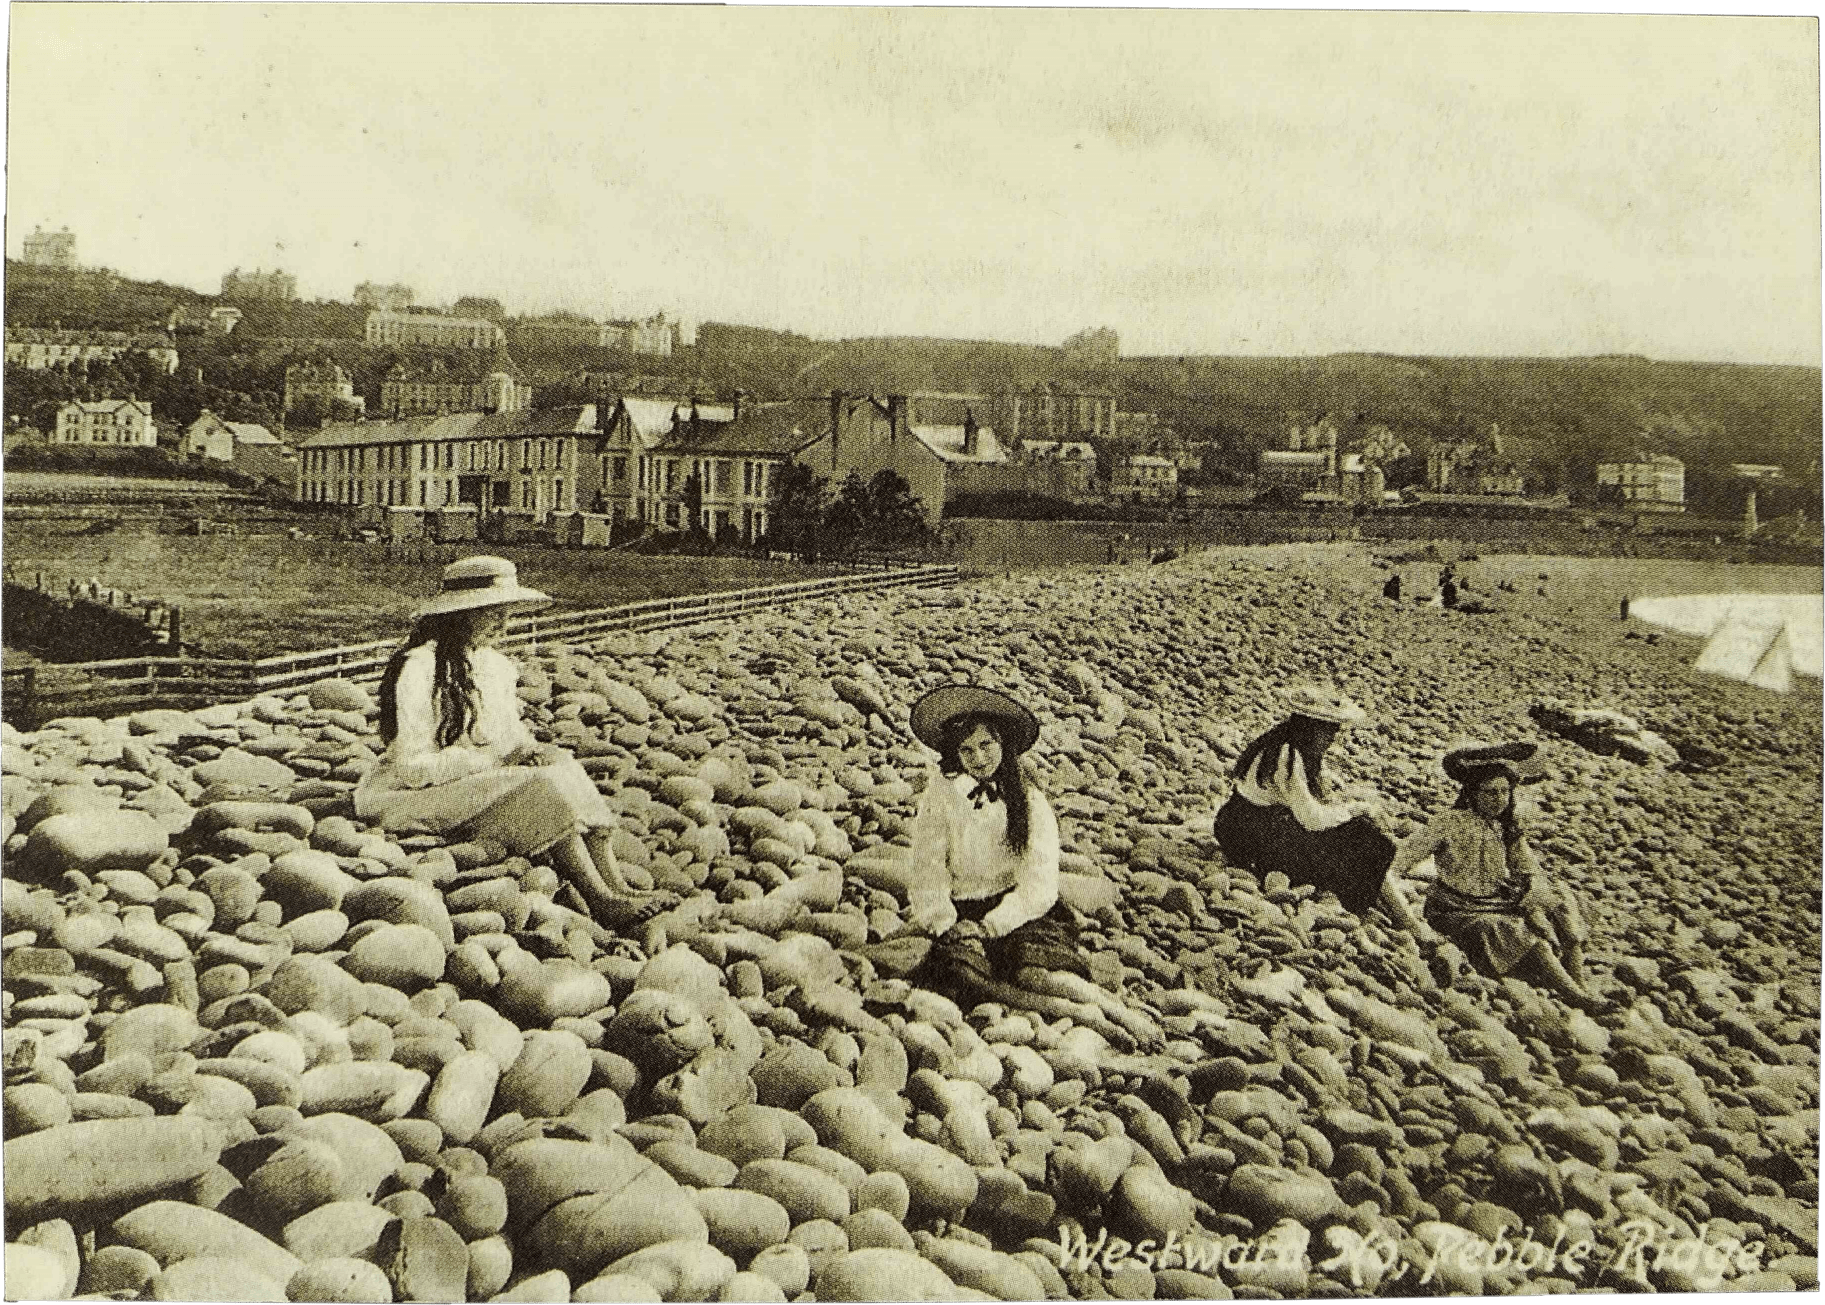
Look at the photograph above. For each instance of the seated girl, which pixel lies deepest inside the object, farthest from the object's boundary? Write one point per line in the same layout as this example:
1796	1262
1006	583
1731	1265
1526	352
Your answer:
985	871
1282	814
1491	898
460	761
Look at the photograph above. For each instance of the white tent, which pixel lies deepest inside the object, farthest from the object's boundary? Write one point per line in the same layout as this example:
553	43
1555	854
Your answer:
1755	652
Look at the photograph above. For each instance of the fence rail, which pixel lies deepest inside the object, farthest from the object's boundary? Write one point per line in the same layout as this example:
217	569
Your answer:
33	694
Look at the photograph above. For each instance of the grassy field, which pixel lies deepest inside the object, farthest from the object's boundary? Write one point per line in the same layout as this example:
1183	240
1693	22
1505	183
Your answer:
255	596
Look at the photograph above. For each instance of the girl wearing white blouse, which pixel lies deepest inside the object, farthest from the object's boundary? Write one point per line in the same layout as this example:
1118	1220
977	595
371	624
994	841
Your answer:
986	874
460	761
1491	897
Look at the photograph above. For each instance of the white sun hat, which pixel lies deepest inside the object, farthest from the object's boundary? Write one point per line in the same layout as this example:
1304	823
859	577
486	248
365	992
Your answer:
482	581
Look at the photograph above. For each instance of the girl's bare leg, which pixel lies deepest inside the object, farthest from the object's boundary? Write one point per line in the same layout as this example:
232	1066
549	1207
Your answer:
621	910
1561	981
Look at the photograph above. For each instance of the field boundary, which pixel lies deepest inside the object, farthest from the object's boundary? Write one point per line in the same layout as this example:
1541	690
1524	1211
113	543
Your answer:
32	695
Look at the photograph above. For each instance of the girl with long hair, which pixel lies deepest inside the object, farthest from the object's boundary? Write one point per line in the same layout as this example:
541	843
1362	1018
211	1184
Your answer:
1491	898
1283	815
985	871
460	761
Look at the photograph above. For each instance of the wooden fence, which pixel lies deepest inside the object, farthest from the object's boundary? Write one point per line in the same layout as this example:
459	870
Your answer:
34	694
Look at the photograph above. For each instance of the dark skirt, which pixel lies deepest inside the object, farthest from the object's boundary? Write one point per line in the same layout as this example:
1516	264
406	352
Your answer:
1351	860
1499	931
1050	943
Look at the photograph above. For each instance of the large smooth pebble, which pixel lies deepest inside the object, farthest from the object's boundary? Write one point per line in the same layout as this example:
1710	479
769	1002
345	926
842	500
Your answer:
56	1172
742	1223
881	1274
212	1278
345	1281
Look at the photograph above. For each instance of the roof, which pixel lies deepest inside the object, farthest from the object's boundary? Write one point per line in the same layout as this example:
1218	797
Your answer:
1292	458
779	429
947	443
652	419
247	432
53	335
108	405
1150	460
569	419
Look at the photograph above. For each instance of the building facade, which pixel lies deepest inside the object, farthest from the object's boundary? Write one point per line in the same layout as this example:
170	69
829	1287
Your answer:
430	330
113	422
372	294
1050	411
537	462
1653	482
324	381
413	392
1143	476
37	348
51	249
259	284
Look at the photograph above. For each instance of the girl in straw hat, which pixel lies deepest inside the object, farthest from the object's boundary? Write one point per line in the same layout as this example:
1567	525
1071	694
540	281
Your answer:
1282	816
1491	897
459	759
985	872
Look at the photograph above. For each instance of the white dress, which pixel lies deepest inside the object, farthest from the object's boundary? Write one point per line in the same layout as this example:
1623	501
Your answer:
418	786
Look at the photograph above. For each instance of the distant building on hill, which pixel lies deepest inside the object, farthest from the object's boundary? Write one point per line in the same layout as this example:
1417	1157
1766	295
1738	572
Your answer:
259	284
51	249
652	336
113	422
430	330
223	318
1098	347
38	348
1474	466
1053	411
324	381
1653	482
494	385
209	436
371	294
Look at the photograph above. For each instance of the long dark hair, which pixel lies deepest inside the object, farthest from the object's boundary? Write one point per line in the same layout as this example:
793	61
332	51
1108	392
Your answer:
1466	800
1008	776
453	687
1308	737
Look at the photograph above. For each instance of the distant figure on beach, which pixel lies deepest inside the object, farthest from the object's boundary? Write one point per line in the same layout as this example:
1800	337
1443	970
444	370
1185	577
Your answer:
985	872
1391	590
460	761
1281	814
1447	589
1491	898
1625	608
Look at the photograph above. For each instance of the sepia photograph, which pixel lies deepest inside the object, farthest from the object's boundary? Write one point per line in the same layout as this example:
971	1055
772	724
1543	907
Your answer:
876	653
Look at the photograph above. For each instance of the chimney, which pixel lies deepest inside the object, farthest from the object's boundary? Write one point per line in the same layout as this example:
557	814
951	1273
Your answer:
741	397
970	439
897	420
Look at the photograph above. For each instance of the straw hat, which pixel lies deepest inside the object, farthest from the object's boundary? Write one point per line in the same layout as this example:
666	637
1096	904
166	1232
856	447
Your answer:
1315	703
932	715
475	582
1466	763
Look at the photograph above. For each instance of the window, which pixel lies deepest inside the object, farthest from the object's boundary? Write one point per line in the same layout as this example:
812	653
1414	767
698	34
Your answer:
557	493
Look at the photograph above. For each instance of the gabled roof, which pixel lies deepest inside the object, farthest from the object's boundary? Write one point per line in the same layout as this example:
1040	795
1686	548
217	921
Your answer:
776	429
247	432
652	419
108	405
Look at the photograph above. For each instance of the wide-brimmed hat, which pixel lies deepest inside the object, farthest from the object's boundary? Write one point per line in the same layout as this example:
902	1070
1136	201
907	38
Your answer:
1315	702
933	714
482	581
1467	763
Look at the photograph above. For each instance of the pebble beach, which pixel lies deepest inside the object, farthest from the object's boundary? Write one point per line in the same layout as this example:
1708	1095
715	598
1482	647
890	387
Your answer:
255	1050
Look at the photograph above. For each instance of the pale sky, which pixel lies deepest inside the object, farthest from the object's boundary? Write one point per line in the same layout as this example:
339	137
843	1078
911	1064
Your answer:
1203	181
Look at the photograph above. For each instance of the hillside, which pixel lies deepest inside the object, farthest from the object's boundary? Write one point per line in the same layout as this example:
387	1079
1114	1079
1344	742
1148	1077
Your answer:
1559	415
